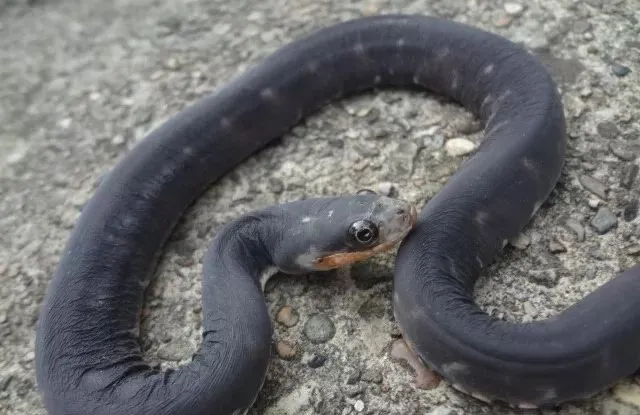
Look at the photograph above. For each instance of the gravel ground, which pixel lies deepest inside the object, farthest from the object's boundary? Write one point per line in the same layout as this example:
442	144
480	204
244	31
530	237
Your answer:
83	81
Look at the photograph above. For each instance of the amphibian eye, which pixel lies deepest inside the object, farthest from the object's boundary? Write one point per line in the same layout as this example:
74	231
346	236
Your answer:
363	232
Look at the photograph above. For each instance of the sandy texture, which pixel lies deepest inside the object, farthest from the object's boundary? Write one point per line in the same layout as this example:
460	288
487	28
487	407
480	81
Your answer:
83	81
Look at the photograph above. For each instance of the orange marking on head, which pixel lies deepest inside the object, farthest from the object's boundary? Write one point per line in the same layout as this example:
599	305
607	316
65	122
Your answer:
342	259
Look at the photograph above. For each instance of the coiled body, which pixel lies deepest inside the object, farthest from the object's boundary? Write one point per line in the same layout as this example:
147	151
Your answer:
87	355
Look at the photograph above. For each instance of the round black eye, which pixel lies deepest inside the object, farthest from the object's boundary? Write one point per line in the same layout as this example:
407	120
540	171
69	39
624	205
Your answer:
364	232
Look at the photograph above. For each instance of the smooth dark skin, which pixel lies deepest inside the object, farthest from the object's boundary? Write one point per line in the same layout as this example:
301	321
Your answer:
87	353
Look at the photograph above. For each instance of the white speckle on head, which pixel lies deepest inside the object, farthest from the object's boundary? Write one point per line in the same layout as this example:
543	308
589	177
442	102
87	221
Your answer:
359	49
306	219
225	122
400	42
187	151
268	94
391	71
416	79
528	164
488	69
505	242
376	79
330	213
266	274
526	405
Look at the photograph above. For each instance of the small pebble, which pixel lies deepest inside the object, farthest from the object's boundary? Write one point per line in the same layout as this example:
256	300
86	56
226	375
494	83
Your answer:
503	20
633	250
372	115
459	147
529	309
628	393
319	328
276	185
430	138
521	242
544	277
629	175
374	307
172	64
118	140
358	406
353	390
65	122
622	151
287	316
372	376
336	142
386	188
317	361
595	186
285	350
576	227
620	70
581	26
353	377
593	203
175	350
556	247
604	220
630	211
443	410
469	126
608	129
513	9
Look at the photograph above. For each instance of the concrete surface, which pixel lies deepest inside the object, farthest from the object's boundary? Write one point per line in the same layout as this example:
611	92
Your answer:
82	81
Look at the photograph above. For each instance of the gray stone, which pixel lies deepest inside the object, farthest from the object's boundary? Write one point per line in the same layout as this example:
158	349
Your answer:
576	227
595	186
319	328
604	220
620	70
629	174
545	277
608	129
